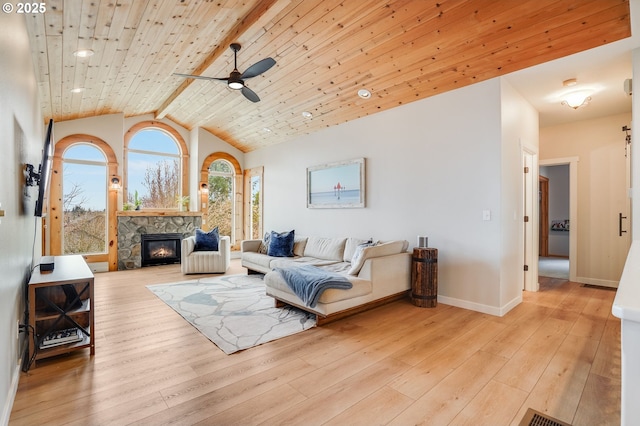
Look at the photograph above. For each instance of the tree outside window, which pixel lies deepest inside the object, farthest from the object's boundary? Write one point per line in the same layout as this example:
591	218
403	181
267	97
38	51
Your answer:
221	189
153	170
84	183
256	214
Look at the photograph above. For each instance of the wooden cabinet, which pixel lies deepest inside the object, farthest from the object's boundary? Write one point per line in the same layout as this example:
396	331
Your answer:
59	300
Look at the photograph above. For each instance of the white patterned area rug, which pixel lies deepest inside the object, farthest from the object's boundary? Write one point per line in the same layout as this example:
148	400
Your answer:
233	311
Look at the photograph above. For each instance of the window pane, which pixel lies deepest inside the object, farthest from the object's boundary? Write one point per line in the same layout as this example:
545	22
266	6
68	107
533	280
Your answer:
153	176
84	152
155	179
220	166
255	207
84	207
154	140
221	199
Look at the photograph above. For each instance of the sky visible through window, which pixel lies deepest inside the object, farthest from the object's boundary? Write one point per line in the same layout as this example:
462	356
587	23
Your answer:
91	179
151	140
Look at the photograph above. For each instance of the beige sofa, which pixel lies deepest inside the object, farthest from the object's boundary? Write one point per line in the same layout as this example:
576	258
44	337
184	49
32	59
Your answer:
380	274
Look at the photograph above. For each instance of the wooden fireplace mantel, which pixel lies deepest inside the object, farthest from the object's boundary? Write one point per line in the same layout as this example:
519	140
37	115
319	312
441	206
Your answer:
156	213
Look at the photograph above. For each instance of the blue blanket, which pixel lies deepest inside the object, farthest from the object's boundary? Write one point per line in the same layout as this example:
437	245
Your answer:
308	282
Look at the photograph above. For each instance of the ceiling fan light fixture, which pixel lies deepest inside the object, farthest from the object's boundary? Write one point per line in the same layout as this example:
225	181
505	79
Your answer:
236	84
235	81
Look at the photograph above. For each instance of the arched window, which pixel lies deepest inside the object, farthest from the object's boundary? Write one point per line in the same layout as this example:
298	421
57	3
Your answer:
154	170
84	200
221	205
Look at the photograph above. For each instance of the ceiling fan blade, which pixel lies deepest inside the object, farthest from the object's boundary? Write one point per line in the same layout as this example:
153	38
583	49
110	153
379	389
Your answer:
258	68
250	94
201	77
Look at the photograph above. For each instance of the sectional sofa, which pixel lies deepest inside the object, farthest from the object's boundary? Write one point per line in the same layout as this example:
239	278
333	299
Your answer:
378	272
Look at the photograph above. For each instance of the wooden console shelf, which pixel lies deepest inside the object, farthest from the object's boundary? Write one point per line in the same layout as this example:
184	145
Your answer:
51	309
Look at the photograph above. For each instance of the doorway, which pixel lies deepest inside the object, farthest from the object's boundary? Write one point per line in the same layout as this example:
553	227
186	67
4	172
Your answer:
558	215
551	266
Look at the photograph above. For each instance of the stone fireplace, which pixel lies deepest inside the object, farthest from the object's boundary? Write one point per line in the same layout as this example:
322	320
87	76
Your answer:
132	225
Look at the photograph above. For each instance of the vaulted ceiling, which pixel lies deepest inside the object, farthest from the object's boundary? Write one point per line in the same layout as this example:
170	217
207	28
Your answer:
325	51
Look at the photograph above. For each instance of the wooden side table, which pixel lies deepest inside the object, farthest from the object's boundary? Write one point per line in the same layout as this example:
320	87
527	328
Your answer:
49	311
424	277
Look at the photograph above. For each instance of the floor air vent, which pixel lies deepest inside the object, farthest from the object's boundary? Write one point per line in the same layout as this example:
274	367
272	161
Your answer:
536	418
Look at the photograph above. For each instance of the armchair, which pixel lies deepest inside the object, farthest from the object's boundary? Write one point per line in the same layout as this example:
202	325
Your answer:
204	262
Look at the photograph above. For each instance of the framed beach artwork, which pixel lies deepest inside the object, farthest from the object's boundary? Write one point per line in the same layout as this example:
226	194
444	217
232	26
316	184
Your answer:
336	185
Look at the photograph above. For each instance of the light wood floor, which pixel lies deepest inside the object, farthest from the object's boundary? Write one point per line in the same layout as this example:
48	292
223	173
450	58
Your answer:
558	352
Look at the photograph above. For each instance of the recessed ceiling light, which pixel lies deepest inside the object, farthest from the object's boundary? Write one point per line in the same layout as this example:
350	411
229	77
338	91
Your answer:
83	53
77	90
266	130
307	114
364	93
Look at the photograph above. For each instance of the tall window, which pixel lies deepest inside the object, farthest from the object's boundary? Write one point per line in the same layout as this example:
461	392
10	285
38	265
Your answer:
256	207
253	202
221	190
84	205
153	170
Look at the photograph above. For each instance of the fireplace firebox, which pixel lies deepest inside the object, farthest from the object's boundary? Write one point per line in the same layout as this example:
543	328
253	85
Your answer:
159	249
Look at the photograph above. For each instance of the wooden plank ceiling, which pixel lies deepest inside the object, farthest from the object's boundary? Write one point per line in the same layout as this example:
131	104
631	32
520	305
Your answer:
400	50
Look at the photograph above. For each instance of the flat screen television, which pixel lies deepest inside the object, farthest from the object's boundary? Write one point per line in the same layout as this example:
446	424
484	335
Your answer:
44	172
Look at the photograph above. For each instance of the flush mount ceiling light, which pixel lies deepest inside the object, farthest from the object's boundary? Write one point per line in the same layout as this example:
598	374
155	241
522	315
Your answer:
83	53
77	90
307	114
364	93
575	98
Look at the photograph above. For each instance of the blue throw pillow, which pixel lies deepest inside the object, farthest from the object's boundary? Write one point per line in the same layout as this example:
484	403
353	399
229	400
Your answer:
207	241
281	244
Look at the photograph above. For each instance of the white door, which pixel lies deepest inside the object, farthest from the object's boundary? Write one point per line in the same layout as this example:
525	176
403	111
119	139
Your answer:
610	233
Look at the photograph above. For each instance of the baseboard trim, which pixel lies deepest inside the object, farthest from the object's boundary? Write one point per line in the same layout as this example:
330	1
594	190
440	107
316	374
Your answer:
598	282
11	396
479	307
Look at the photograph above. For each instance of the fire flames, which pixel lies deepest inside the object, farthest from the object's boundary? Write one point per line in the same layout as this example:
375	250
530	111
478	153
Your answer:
162	252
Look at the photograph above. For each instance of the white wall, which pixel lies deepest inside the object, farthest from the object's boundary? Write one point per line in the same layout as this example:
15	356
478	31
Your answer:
520	134
432	167
109	128
19	109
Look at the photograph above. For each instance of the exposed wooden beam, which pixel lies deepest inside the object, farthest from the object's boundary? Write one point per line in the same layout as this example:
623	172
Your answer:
262	13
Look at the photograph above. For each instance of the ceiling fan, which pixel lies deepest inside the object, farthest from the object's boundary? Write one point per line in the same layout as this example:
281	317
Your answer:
236	79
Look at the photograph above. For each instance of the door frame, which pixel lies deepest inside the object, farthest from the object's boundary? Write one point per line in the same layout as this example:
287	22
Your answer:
573	207
530	209
543	183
